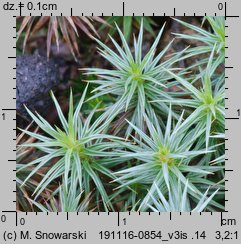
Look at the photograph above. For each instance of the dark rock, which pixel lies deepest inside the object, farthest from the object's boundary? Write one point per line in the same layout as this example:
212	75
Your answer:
35	77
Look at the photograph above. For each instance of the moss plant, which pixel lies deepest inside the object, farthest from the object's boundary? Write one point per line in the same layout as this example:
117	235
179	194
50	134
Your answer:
167	158
208	102
76	146
136	78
